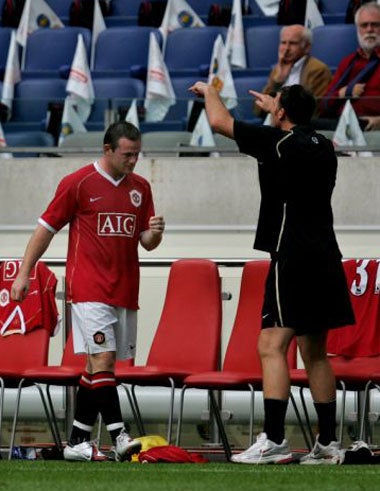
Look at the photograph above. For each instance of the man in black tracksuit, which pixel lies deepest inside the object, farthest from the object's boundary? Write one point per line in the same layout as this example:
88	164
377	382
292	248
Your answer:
306	292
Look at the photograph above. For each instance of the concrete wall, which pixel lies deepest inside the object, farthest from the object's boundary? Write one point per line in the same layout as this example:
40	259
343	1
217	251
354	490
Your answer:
189	191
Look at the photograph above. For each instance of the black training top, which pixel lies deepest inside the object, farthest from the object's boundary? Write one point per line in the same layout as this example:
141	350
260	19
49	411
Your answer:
297	172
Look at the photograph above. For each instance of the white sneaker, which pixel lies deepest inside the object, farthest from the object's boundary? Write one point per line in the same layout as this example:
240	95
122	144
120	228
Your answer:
125	447
85	451
323	454
265	451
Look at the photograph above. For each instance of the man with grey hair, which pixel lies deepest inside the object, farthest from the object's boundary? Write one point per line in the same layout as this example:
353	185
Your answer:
357	77
295	65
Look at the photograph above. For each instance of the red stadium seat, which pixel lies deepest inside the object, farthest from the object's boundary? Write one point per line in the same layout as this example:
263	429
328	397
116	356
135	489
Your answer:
187	339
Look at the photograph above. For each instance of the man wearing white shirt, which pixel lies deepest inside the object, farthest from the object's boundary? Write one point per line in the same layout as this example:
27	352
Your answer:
295	65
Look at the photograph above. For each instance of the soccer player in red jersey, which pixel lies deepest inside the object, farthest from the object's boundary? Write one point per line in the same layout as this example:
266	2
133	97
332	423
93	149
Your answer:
110	211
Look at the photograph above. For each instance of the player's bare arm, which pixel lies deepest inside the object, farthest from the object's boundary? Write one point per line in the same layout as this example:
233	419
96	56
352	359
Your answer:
37	245
218	115
152	237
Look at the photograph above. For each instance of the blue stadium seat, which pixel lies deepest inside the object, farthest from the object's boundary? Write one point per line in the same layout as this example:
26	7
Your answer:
29	139
61	8
202	7
332	42
188	51
48	50
31	100
5	37
122	50
261	44
123	13
113	94
244	110
333	11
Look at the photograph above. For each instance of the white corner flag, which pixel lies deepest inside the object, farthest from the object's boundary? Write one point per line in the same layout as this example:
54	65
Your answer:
12	74
98	25
79	85
3	144
35	15
202	134
71	122
179	14
220	75
313	17
235	42
132	116
159	95
348	132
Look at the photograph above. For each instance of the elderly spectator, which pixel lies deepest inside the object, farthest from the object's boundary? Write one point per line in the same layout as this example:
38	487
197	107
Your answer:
358	75
295	65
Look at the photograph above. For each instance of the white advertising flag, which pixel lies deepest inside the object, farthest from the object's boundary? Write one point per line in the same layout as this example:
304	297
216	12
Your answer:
12	74
313	17
36	15
269	7
159	94
179	14
98	26
71	122
3	144
79	84
132	116
348	132
202	134
235	42
220	75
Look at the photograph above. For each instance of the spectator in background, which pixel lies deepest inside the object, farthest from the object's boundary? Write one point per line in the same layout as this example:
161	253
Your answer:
295	65
358	75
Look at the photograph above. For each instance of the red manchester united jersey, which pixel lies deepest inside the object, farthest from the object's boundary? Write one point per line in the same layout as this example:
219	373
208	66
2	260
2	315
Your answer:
37	310
362	339
106	219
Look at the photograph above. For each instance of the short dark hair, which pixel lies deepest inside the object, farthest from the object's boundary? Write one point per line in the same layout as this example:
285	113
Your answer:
122	129
299	104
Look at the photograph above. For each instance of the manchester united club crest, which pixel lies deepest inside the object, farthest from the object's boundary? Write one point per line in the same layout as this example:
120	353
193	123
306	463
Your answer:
136	197
4	297
99	337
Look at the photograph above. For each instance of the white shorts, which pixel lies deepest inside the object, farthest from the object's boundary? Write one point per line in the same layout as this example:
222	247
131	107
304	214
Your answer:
98	328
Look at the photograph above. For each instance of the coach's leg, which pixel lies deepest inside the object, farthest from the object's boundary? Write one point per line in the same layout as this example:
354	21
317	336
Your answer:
322	383
273	348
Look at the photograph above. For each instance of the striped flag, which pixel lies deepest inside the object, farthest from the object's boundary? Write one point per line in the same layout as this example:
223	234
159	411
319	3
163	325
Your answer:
220	75
313	17
36	15
98	26
348	132
202	134
12	74
159	94
79	84
235	42
71	122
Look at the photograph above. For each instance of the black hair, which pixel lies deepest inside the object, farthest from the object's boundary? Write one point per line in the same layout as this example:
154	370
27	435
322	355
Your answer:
299	104
122	129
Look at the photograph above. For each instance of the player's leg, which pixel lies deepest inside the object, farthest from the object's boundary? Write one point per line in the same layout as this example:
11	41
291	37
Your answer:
323	389
271	445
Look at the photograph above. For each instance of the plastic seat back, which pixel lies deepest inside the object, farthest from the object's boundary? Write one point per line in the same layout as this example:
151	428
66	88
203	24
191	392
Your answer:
190	49
189	330
120	48
49	50
262	47
19	352
343	39
33	95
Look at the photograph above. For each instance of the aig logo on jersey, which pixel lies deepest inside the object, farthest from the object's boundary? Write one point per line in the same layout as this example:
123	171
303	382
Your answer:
116	224
136	197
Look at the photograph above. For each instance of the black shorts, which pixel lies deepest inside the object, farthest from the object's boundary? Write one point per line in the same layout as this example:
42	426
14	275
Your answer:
307	294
